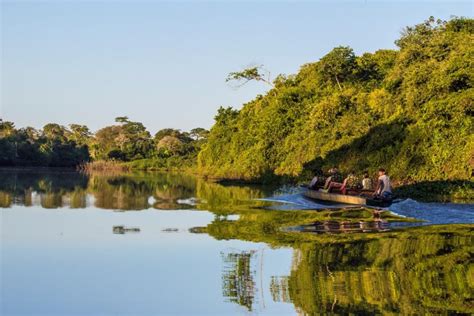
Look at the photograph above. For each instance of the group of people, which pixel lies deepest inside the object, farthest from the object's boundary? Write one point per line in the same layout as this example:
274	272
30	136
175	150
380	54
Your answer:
352	184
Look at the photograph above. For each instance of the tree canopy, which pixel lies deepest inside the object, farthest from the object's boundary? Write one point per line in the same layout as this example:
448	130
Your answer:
409	110
59	146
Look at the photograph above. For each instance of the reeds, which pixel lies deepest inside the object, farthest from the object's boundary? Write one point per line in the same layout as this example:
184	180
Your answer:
104	166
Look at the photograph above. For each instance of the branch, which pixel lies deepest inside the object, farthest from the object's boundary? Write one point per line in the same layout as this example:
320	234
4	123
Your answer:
251	73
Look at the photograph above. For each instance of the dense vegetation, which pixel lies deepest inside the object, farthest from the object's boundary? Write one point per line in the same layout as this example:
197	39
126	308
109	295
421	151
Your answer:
54	145
125	142
409	110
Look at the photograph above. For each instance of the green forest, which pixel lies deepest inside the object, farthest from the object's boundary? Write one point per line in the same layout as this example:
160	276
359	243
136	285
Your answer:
127	144
409	110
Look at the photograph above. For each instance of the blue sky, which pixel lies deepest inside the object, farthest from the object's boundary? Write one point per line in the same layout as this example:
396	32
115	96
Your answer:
165	63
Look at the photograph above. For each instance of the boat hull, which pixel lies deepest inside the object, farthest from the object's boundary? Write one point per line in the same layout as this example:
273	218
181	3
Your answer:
345	199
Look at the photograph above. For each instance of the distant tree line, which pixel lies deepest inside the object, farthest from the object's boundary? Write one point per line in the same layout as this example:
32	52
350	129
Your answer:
59	146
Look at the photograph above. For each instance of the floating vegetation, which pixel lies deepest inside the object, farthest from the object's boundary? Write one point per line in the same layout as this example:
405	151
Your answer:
123	230
170	230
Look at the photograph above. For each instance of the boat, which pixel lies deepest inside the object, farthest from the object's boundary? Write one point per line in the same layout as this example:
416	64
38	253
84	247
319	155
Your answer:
346	198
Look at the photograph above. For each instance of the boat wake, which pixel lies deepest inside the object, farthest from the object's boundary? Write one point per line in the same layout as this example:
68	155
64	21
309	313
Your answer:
429	213
297	201
435	213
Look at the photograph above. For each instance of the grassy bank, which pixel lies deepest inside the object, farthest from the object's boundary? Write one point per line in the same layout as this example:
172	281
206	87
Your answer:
104	166
175	163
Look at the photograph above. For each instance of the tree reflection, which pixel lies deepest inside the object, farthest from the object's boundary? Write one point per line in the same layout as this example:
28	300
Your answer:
134	191
425	270
279	289
52	189
425	273
238	284
122	191
138	191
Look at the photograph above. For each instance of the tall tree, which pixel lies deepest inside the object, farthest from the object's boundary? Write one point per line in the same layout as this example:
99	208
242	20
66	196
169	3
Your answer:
199	133
338	65
6	128
80	134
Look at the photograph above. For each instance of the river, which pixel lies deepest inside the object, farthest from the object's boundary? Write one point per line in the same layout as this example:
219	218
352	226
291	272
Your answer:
173	244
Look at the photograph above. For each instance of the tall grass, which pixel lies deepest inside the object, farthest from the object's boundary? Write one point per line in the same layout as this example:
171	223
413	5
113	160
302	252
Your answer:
104	166
164	164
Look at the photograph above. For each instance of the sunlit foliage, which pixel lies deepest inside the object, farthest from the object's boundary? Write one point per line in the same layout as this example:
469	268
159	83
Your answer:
54	145
127	141
409	110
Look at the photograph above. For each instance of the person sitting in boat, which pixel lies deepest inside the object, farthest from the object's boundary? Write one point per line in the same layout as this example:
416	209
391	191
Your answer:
334	180
384	187
367	184
317	181
351	183
338	184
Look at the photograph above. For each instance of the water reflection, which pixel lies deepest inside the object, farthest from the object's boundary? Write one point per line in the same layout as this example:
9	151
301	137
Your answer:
335	227
412	274
396	272
43	188
58	189
127	192
280	289
123	230
422	270
238	276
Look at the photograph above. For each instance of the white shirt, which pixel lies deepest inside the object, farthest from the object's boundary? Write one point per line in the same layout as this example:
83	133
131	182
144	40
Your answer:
313	182
387	187
367	184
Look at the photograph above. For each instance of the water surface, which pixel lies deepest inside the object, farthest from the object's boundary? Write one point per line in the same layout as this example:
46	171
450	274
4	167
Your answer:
165	244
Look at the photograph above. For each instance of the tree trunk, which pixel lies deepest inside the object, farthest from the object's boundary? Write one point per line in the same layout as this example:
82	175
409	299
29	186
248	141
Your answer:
337	80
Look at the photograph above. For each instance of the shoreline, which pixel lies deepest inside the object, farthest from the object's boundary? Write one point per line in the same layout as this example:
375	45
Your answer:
36	169
455	191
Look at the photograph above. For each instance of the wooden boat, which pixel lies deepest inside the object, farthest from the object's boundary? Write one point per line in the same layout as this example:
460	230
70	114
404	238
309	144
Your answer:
345	199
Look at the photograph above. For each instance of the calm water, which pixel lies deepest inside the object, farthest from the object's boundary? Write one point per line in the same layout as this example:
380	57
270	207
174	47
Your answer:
165	244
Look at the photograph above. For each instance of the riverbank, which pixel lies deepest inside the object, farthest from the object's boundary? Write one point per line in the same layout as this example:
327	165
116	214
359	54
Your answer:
460	191
176	164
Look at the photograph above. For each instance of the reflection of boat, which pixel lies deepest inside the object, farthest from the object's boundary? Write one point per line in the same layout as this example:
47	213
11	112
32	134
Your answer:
346	199
376	225
123	230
